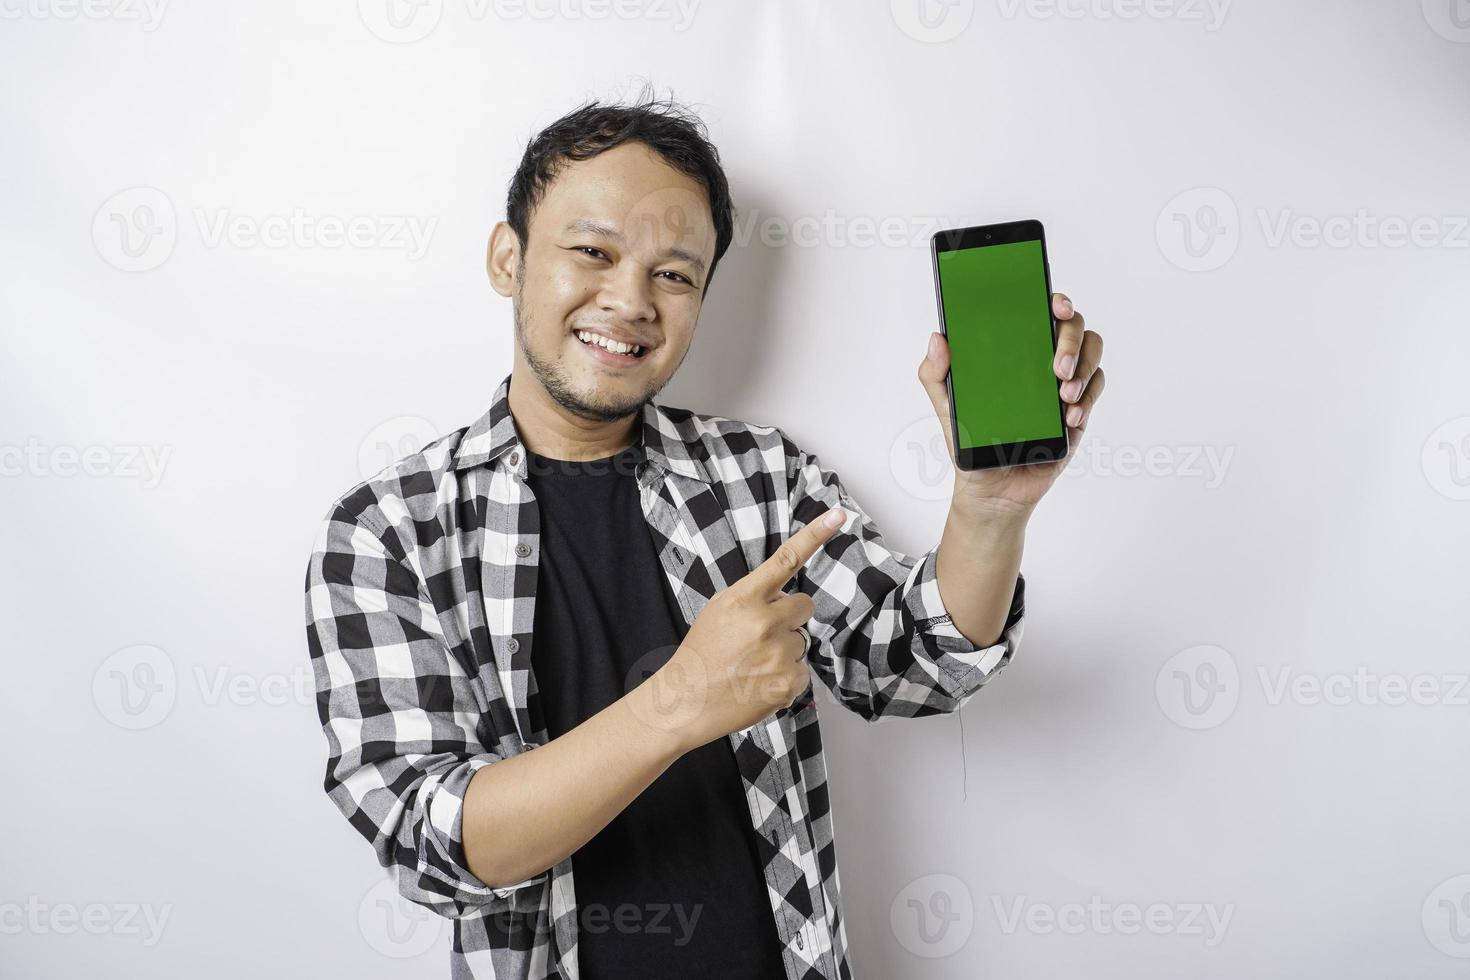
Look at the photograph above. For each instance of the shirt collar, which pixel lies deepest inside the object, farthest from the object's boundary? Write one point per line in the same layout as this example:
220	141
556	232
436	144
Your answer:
665	442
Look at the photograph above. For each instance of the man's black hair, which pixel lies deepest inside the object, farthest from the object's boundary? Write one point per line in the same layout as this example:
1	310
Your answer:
671	130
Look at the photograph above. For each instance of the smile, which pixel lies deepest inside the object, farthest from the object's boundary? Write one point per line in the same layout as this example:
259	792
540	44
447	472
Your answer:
610	348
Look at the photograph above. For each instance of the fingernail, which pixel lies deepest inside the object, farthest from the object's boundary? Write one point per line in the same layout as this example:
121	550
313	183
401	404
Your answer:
834	517
1071	390
1067	307
1069	364
933	346
1074	416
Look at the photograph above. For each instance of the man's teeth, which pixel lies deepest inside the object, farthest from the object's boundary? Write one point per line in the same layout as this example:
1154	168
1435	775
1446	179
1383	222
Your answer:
617	347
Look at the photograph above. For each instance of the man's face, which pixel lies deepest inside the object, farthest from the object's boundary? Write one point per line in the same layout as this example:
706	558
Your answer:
620	245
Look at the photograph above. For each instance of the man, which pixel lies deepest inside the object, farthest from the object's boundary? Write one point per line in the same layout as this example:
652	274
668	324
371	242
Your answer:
561	654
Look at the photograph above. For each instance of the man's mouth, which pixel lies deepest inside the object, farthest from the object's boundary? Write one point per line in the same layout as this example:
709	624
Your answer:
627	352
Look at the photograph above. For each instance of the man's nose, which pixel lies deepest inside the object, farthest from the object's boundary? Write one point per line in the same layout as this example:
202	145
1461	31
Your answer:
626	292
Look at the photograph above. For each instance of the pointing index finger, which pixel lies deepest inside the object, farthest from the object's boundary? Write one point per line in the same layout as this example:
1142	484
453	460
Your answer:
770	575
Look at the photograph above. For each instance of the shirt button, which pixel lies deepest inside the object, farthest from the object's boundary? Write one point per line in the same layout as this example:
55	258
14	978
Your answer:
800	942
512	644
523	549
515	457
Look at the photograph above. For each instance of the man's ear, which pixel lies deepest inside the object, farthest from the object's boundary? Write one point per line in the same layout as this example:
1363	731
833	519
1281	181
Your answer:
502	257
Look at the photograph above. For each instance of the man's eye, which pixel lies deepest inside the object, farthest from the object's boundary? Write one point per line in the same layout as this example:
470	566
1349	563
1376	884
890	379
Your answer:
591	251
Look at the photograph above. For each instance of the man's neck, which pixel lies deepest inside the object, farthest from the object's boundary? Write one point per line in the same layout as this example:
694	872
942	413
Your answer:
547	429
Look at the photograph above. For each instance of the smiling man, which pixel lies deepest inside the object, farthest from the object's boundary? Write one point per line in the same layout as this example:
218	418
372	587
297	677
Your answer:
564	655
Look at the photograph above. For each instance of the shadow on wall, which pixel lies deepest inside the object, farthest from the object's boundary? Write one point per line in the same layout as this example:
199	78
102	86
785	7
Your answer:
736	332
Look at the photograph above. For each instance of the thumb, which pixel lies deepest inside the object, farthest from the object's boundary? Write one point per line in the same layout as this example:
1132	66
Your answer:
932	371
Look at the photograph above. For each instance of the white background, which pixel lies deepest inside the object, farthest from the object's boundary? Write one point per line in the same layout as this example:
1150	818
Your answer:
1167	149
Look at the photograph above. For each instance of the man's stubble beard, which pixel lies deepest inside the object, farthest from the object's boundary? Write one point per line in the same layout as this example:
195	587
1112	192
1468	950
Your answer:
556	383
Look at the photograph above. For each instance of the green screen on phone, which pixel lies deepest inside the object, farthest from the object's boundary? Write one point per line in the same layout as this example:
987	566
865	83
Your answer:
998	320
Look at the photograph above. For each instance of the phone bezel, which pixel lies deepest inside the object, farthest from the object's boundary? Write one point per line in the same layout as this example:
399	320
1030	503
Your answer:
1002	454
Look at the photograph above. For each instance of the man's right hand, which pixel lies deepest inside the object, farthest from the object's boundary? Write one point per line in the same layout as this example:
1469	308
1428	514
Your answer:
742	659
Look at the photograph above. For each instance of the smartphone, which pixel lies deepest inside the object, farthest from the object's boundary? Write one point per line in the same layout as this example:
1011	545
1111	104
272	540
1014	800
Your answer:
993	286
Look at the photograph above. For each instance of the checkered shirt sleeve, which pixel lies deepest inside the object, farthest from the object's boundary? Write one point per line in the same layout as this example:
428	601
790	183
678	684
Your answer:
400	713
883	643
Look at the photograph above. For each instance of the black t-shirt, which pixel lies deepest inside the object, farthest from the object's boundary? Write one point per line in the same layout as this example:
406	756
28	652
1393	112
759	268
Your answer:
673	886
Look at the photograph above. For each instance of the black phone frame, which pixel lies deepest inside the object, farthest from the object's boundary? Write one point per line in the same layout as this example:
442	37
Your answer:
1000	454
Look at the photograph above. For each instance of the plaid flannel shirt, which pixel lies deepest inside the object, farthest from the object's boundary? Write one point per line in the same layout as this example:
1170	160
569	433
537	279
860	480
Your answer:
420	599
